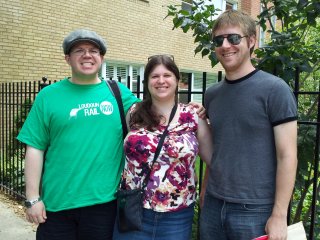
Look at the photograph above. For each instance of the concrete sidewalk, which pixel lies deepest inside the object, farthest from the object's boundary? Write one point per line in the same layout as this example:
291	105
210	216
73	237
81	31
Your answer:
13	226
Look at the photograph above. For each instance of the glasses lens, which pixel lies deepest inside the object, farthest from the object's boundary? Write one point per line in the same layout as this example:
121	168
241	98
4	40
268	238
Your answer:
218	41
234	39
81	52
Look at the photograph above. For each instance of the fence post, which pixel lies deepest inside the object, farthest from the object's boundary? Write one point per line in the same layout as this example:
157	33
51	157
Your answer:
315	176
43	84
189	86
138	86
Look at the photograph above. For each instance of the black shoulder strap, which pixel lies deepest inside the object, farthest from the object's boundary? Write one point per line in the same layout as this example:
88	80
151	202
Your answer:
158	149
116	92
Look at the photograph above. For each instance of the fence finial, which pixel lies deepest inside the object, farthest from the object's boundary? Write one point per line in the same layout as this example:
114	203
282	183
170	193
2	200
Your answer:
43	84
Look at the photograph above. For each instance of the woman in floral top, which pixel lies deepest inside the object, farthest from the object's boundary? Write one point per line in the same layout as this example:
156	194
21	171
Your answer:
171	190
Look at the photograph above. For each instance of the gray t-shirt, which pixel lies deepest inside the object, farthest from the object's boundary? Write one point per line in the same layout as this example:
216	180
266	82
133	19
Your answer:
242	114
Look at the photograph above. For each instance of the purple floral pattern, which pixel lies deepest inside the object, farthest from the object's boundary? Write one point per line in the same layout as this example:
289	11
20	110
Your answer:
172	181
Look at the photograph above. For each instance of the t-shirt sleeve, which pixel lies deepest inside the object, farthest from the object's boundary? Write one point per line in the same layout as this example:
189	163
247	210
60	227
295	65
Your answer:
282	104
34	131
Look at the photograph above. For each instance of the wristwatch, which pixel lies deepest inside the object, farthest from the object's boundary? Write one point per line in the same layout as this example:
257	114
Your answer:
30	203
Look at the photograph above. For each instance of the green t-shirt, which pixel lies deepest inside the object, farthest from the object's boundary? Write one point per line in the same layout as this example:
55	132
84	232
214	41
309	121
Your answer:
79	126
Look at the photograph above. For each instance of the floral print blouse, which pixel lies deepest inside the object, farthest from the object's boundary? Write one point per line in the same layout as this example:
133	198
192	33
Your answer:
172	183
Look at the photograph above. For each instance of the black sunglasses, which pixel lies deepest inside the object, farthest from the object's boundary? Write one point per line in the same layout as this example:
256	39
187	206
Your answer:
233	38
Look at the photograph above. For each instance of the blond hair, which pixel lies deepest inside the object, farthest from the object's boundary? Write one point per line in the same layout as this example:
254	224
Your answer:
236	18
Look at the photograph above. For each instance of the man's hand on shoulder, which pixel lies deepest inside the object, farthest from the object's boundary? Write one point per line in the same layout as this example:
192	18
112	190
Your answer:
201	111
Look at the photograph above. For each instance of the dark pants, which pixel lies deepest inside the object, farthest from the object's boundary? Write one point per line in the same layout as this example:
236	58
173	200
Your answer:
86	223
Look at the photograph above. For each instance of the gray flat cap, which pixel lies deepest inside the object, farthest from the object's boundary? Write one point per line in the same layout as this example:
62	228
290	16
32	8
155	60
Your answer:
83	35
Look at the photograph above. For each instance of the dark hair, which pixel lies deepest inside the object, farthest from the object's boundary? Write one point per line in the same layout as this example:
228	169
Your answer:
144	115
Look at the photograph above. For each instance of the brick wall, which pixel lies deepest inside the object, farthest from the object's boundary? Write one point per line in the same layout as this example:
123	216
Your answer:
32	31
251	7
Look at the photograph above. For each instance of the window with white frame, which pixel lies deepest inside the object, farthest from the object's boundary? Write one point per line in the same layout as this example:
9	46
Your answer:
118	71
231	5
115	71
142	1
186	5
224	4
196	84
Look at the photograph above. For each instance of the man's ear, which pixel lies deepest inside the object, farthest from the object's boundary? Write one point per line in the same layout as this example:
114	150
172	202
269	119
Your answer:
252	41
67	58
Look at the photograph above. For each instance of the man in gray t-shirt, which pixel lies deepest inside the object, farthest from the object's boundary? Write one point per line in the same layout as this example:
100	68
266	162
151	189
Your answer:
253	117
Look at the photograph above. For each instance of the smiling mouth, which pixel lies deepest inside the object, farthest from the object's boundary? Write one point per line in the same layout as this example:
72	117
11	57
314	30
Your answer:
88	64
228	54
161	87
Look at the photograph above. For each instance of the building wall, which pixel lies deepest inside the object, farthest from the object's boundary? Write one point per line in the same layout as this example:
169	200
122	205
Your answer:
32	31
251	7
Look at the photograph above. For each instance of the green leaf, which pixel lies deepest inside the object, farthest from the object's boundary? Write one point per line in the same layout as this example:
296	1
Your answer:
205	52
198	49
184	12
185	28
177	22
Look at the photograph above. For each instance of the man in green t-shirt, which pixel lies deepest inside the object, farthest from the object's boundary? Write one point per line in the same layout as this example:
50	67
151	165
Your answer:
76	121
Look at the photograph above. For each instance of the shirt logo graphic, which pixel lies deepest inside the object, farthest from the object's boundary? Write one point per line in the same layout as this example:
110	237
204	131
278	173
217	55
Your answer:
106	108
91	109
74	112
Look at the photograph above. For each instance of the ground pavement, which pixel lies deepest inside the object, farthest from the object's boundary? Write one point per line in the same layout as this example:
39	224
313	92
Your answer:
13	225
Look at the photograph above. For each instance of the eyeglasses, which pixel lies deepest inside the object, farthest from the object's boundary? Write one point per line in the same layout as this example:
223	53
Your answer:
233	38
161	55
81	52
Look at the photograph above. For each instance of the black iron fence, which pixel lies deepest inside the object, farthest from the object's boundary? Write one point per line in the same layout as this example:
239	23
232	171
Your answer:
17	97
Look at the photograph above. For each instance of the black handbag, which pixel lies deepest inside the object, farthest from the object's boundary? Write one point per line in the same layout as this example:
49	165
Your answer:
129	209
129	202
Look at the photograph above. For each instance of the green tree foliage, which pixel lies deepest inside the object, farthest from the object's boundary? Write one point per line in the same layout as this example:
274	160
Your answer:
13	167
307	140
293	37
200	21
293	42
13	148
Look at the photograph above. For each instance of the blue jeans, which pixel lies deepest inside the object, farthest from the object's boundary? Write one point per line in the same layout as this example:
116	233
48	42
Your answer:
86	223
161	226
222	220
